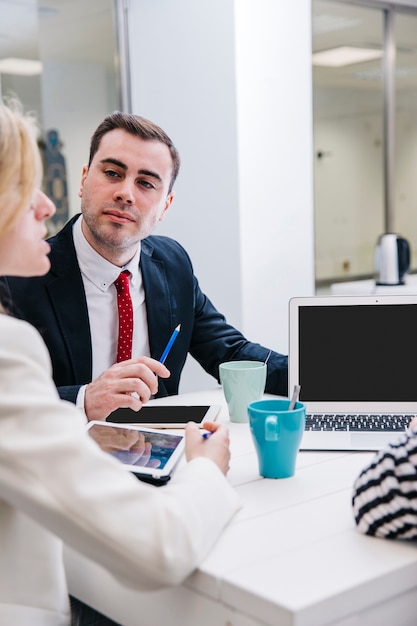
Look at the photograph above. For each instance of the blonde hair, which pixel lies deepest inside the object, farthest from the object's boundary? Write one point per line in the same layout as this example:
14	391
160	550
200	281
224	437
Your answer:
20	162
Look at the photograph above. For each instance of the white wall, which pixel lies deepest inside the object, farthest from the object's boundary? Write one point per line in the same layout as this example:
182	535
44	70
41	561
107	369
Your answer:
231	83
274	106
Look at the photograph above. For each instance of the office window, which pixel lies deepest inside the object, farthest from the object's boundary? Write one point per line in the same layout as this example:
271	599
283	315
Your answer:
59	58
405	151
349	136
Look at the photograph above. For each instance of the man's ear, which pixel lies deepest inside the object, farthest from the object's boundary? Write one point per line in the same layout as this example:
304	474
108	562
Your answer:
84	173
168	202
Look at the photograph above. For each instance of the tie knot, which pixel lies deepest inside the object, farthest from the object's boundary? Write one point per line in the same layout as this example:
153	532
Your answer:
122	281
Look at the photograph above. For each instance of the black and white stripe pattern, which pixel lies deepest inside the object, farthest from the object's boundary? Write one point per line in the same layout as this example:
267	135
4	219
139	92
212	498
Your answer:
385	493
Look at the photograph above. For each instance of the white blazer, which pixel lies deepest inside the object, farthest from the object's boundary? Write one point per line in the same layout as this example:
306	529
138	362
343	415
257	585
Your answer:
57	485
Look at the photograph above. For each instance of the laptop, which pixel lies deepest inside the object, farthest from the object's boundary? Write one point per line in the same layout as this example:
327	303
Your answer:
355	358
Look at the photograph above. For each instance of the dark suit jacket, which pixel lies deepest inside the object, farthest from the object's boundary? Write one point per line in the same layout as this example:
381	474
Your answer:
56	305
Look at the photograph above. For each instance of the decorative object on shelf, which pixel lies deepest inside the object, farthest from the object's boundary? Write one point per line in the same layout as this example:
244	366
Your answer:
56	180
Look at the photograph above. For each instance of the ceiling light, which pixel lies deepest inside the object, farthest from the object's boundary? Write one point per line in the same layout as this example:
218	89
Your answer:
345	55
24	67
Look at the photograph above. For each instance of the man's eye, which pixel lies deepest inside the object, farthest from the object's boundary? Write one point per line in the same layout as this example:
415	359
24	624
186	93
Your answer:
111	173
146	183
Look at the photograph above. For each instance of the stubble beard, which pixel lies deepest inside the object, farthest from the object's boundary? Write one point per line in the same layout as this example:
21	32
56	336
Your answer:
110	239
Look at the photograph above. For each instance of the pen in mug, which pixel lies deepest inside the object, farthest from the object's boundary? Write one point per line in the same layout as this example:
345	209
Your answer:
169	344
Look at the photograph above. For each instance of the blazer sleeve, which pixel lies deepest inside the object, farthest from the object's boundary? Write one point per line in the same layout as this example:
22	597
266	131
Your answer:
385	493
215	341
205	332
52	471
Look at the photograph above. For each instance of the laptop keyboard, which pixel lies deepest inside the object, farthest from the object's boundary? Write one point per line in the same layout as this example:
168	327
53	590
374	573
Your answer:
357	422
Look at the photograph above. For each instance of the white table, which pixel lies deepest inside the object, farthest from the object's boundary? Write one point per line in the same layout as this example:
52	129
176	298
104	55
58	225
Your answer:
290	557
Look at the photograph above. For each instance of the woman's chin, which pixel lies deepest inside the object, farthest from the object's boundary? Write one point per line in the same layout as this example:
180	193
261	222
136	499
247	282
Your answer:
37	269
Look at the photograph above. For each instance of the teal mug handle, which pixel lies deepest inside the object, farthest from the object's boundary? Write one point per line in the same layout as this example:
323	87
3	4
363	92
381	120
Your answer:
271	430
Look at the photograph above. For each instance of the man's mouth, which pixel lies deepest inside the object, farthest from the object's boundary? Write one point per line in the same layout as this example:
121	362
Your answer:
121	217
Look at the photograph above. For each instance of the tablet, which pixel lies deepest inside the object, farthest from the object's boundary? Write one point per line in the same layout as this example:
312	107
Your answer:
150	454
160	416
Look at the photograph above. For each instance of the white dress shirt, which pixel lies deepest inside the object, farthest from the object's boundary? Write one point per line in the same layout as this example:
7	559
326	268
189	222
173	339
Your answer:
98	276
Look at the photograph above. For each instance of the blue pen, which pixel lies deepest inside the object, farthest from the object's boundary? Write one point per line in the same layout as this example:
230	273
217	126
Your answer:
169	344
206	435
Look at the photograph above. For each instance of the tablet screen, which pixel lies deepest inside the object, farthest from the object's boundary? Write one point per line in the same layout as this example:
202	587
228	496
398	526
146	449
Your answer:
163	416
143	451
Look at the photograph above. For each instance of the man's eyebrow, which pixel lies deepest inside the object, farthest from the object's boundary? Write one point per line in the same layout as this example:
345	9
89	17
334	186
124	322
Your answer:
123	166
151	174
114	162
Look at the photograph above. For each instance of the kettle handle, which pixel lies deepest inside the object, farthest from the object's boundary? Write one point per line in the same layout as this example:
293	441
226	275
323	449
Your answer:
403	249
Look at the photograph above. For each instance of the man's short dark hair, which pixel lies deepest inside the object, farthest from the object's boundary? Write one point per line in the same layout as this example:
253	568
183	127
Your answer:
140	127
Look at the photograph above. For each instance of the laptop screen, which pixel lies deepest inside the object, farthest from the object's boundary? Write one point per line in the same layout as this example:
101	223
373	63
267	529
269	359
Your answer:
354	350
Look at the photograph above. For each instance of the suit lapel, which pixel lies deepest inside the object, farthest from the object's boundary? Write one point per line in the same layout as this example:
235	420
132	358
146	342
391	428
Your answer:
158	304
66	292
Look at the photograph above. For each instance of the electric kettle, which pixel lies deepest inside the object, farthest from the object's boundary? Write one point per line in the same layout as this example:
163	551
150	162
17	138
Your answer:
392	259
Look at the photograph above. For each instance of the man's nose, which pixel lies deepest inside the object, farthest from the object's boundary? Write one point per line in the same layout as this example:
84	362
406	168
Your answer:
124	193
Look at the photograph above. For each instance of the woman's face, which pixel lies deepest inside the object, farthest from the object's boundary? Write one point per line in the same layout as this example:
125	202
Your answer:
23	250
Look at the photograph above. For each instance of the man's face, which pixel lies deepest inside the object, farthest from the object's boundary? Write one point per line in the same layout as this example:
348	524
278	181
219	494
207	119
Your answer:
124	193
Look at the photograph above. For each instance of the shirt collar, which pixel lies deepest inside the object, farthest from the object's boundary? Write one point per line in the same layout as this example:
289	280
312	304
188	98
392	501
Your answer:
96	268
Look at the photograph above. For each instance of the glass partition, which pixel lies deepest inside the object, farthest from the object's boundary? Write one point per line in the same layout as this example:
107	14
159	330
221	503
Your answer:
405	171
59	58
350	137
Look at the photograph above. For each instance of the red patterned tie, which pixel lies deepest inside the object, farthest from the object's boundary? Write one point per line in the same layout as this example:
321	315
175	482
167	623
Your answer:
125	310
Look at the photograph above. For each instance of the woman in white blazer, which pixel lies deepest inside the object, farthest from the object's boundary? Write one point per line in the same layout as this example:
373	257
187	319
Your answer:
56	484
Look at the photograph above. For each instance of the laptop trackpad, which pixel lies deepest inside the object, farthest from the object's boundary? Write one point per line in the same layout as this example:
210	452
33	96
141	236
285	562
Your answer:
336	440
326	440
373	441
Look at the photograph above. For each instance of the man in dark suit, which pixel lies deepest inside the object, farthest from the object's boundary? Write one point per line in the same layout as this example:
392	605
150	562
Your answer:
126	188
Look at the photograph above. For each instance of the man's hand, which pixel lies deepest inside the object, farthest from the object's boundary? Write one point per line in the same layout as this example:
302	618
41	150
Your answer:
115	387
126	444
113	439
215	447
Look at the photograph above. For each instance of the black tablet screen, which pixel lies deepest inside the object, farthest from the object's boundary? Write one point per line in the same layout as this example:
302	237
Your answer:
159	415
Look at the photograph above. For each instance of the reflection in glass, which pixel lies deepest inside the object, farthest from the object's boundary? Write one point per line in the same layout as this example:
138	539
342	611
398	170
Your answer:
77	87
348	141
405	187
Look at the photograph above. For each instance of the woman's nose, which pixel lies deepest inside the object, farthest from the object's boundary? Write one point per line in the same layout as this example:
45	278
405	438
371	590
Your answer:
44	206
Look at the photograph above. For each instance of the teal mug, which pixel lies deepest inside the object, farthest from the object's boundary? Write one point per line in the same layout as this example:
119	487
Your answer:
277	434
